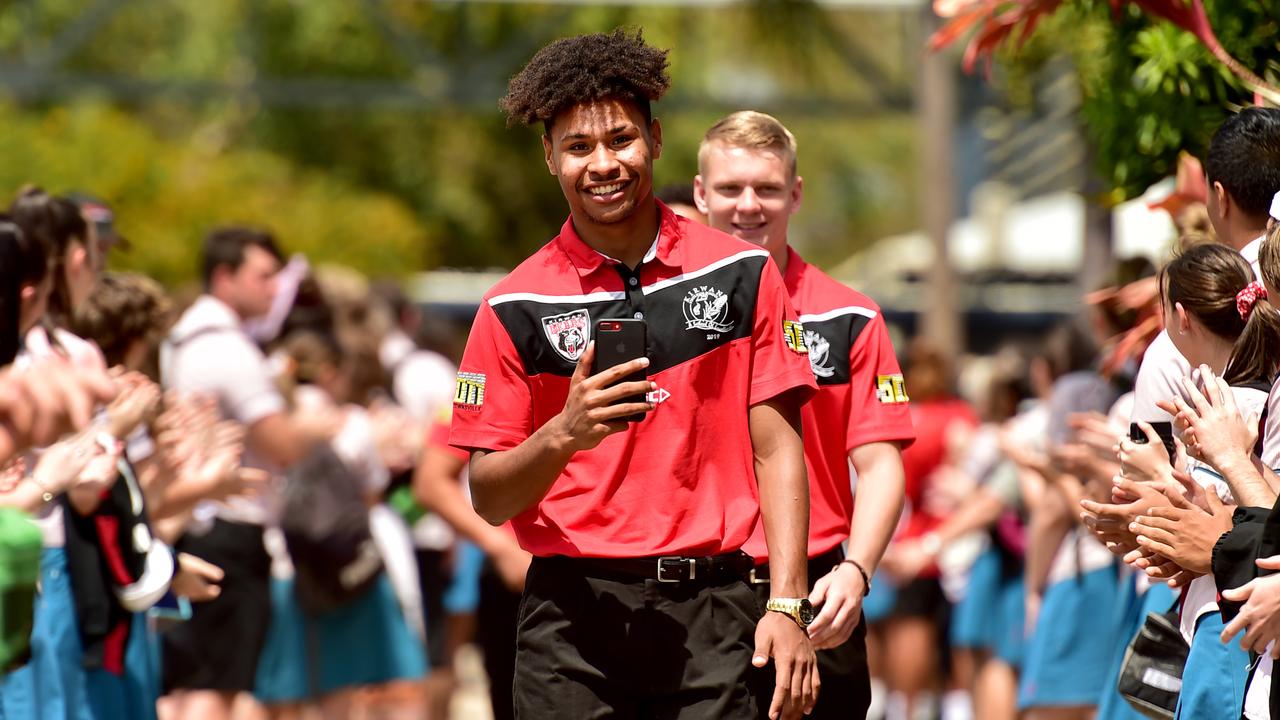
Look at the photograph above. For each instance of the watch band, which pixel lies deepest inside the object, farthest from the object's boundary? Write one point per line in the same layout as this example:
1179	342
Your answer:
794	608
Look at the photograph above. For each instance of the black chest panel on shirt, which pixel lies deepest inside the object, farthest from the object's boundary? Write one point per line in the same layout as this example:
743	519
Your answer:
683	320
830	342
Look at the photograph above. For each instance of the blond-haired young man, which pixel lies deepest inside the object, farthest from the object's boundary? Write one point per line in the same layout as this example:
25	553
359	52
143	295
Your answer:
748	186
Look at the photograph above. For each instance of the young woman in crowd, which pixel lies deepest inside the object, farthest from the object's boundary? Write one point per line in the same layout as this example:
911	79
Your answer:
1070	578
1218	318
907	615
101	566
310	658
987	621
1220	432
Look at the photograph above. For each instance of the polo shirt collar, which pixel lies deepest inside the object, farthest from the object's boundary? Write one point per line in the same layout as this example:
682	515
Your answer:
665	248
207	312
1250	253
795	269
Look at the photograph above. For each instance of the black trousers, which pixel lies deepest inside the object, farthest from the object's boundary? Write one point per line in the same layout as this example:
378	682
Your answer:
218	648
496	634
846	679
589	647
433	580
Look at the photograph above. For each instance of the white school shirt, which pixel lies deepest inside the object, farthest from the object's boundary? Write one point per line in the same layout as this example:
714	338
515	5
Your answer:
81	353
1202	594
1159	378
208	352
423	384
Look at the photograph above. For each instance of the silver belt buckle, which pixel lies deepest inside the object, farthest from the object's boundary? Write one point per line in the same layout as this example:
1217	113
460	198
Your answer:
693	568
753	580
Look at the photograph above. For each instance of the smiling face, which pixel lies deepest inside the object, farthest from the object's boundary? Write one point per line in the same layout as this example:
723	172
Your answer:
602	153
749	193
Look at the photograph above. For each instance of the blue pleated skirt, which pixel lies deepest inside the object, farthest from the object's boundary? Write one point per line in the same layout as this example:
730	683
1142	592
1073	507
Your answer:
973	624
1214	678
54	685
1068	656
1131	612
365	643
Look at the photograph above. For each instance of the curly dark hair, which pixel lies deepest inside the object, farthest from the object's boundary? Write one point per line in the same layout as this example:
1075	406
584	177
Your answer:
585	68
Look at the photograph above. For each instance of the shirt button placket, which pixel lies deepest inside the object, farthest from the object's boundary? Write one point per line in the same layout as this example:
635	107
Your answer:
631	284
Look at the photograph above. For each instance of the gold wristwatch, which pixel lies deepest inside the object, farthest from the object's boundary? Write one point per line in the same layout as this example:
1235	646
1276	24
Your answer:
798	609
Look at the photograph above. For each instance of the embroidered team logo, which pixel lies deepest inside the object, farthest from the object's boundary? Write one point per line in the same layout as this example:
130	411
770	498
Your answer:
568	333
793	334
468	391
819	354
891	389
706	308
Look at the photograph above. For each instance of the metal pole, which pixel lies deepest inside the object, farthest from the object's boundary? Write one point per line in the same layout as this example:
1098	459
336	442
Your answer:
940	318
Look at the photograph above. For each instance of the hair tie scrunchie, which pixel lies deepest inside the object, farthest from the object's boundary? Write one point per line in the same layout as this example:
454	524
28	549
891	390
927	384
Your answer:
1248	297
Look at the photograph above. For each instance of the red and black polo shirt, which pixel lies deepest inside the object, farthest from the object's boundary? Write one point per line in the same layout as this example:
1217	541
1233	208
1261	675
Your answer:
722	337
861	397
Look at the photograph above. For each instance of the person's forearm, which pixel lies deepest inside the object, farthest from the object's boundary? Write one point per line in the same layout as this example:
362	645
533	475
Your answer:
1248	485
176	497
25	496
506	483
276	439
85	500
1048	526
880	495
150	476
1074	492
784	495
436	486
979	511
170	529
1268	475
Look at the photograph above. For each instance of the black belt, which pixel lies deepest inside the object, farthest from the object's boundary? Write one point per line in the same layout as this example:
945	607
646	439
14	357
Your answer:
818	566
665	568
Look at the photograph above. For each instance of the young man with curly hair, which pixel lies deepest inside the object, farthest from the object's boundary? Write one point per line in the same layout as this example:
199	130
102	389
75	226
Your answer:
747	186
636	603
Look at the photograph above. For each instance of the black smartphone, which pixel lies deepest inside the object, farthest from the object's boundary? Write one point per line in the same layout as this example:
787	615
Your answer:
1163	429
619	341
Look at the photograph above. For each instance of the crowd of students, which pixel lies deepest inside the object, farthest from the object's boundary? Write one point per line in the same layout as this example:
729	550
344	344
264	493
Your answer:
1092	535
161	556
255	502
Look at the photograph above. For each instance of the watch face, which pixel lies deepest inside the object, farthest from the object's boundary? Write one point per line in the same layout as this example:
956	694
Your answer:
806	612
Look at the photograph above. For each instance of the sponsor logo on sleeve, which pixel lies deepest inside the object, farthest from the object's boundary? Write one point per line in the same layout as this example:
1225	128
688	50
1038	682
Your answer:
468	392
568	333
891	389
819	354
793	333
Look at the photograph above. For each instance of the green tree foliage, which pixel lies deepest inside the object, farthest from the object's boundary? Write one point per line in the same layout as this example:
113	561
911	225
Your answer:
1150	89
377	98
167	193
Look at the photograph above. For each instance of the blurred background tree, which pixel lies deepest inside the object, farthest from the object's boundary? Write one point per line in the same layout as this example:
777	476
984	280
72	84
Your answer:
367	131
1150	87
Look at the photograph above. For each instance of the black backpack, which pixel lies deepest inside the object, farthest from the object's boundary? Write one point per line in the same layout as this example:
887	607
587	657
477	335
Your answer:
326	528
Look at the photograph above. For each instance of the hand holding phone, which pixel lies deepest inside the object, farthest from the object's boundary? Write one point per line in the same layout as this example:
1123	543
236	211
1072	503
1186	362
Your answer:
1163	429
607	392
618	342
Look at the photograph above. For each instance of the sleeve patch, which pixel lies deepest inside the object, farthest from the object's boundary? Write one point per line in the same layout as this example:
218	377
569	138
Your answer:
794	334
468	392
891	389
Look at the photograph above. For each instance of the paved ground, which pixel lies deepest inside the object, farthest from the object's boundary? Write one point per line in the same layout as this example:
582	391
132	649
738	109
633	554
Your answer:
471	701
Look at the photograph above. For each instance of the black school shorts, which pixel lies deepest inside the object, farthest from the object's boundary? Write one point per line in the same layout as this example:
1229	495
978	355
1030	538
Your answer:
589	647
218	648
